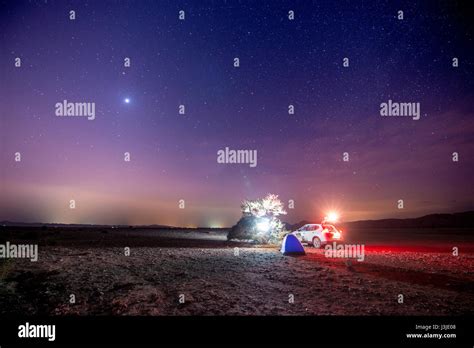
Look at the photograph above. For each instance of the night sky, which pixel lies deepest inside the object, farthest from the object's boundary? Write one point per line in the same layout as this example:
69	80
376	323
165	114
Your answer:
191	62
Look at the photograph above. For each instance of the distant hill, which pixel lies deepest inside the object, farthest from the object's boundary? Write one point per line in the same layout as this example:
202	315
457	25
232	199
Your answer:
463	220
456	220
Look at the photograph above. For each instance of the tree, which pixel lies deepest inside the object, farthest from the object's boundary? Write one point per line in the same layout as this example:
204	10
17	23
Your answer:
260	220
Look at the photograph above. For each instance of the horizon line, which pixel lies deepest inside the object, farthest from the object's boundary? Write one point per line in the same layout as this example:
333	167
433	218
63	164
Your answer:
3	222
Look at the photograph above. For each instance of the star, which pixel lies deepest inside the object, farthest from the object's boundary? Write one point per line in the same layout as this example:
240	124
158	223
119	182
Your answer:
127	100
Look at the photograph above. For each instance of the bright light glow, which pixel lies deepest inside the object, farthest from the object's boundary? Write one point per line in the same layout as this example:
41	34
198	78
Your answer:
332	217
127	100
263	225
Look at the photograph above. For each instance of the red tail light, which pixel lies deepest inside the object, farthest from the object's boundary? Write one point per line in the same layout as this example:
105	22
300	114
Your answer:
328	235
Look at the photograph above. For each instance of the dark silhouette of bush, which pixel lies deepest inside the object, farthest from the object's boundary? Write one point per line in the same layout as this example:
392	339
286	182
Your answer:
263	212
245	229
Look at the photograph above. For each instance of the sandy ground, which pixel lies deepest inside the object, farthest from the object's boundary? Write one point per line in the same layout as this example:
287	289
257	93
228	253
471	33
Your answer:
201	265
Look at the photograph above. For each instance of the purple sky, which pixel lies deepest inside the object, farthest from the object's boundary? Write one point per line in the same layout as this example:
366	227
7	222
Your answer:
190	62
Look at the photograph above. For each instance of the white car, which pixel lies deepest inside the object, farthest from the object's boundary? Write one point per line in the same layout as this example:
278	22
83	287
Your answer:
318	235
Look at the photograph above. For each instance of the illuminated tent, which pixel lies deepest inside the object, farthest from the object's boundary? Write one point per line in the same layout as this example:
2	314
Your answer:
291	246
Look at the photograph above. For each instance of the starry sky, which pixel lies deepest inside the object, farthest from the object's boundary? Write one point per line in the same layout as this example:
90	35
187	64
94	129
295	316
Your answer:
191	62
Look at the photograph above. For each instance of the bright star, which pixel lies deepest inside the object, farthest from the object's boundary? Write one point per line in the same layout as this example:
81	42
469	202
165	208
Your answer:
127	100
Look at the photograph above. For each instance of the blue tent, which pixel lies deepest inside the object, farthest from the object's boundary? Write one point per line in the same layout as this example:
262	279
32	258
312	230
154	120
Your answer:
291	246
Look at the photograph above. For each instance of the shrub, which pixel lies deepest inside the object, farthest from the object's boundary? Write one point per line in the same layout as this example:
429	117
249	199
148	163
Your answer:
259	221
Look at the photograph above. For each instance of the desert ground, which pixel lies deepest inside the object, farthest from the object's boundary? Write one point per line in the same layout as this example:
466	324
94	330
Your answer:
218	279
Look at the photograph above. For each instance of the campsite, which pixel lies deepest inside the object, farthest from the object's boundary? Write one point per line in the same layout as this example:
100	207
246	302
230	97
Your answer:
202	266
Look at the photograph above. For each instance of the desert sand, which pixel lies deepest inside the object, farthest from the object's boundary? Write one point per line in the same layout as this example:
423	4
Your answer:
198	272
